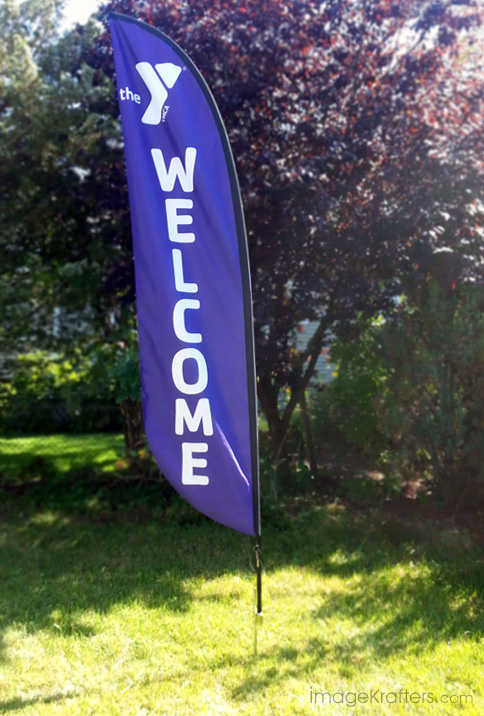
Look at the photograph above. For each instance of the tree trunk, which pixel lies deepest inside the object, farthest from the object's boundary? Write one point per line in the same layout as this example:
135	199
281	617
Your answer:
133	427
268	396
308	435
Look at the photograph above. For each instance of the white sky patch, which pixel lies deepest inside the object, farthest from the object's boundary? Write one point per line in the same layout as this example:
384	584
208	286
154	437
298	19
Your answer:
78	11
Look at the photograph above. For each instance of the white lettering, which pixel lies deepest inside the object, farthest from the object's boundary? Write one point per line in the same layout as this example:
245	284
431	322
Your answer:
201	418
180	284
202	415
175	220
179	327
178	376
126	95
189	462
184	174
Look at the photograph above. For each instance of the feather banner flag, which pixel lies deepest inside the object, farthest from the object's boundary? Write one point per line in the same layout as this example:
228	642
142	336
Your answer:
192	278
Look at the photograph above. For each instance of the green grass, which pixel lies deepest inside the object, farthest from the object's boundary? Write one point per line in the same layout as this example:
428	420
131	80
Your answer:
63	452
113	612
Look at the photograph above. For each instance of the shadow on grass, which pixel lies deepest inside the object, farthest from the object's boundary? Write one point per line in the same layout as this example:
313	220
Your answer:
58	565
17	704
65	552
56	558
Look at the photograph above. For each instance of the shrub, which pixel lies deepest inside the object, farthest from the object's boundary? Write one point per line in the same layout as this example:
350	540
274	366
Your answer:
344	413
51	393
431	405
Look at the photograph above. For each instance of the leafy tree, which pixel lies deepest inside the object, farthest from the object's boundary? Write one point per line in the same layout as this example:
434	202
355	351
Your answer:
356	131
66	272
356	128
58	238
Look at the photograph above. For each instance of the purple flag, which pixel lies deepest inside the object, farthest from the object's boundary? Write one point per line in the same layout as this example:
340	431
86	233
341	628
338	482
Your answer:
192	278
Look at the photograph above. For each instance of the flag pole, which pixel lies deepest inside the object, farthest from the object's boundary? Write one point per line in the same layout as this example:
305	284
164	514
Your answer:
258	614
258	568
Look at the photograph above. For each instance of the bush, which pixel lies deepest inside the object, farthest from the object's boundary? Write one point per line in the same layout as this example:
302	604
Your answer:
344	413
409	393
52	393
431	404
293	477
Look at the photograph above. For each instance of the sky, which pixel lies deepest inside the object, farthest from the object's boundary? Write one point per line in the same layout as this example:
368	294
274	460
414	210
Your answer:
79	10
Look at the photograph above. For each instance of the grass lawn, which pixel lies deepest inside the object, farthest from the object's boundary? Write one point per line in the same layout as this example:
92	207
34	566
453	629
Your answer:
121	611
64	452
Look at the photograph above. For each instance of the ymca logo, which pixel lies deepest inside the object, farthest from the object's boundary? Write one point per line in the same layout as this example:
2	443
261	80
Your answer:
157	79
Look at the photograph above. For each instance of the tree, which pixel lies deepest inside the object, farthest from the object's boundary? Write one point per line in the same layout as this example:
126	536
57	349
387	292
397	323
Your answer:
356	128
58	239
63	218
357	136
